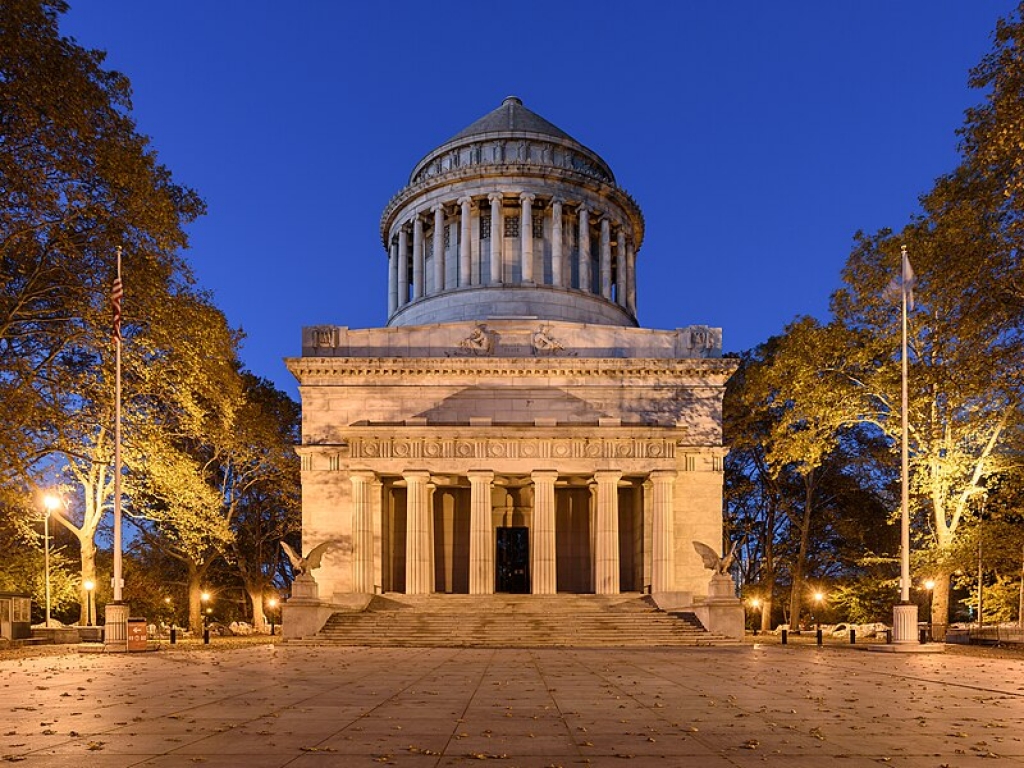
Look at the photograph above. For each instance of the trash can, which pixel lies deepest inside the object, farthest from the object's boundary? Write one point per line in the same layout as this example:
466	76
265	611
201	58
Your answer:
138	639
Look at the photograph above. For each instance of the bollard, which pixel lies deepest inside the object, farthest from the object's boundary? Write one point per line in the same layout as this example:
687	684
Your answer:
206	636
271	629
923	638
888	637
174	635
853	637
785	636
818	635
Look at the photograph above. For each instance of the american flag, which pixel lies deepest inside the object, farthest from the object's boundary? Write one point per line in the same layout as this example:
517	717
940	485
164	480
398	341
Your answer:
116	294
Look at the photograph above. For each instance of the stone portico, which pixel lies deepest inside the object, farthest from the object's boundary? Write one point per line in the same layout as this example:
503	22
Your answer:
511	429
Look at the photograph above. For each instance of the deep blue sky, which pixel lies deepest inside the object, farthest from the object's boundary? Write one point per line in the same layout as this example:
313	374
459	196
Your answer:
758	137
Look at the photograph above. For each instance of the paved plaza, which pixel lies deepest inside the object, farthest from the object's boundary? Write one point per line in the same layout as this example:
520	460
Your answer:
307	707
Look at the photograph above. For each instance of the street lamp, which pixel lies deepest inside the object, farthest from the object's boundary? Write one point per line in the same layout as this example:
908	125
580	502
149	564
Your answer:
930	586
89	585
272	605
51	502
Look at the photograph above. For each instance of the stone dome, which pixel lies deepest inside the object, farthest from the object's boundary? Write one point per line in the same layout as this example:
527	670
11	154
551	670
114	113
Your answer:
565	236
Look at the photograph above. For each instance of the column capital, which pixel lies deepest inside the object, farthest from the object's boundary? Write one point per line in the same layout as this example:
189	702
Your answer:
662	475
362	475
437	207
608	475
556	200
527	197
496	197
544	475
465	200
416	474
481	475
582	209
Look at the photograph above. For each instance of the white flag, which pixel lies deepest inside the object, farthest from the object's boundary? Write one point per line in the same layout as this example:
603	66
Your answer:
908	279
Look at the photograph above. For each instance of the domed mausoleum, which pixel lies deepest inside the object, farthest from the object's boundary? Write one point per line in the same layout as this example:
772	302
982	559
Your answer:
512	428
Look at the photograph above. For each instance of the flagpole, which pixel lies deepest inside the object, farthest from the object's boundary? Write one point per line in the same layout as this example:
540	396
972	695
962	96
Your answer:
117	441
115	633
905	613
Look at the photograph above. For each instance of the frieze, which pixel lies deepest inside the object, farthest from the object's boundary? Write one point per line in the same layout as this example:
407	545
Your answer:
499	448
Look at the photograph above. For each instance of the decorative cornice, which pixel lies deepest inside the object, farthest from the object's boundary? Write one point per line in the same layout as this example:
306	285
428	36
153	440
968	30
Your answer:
714	371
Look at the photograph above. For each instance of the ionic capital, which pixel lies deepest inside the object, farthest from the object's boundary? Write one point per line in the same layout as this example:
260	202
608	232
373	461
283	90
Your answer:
527	197
496	197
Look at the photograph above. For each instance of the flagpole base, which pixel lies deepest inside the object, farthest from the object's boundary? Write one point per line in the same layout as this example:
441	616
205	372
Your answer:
115	633
904	624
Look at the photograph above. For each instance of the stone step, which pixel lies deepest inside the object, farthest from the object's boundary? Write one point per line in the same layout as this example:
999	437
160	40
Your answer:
515	621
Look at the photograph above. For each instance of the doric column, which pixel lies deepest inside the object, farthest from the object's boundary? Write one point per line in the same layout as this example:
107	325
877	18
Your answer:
465	241
417	257
584	241
481	538
496	236
403	266
392	278
439	270
557	275
663	533
542	545
362	530
606	542
631	278
418	575
526	236
606	257
621	270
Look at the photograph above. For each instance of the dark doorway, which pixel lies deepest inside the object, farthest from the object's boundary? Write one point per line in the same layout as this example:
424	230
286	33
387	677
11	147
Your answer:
513	561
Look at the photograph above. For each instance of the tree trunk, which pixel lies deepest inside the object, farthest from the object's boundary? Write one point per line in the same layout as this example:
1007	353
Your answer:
796	595
940	605
195	603
88	549
259	620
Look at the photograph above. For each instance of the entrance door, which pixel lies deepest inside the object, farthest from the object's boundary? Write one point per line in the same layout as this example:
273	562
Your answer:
513	560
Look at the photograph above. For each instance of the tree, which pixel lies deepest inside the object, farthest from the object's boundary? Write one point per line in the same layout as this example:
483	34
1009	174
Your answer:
76	181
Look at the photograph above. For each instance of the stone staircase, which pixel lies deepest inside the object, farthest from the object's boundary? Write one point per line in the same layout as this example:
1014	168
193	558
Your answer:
515	621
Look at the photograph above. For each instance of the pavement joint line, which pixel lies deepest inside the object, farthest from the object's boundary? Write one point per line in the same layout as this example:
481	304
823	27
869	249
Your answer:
469	702
554	702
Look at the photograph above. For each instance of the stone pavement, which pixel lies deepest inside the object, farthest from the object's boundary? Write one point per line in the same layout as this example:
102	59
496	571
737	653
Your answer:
270	706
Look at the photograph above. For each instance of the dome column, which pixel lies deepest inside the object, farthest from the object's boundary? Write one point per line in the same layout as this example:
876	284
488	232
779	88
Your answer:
496	236
403	266
606	257
439	248
417	257
526	237
584	248
621	270
631	281
393	277
557	274
465	238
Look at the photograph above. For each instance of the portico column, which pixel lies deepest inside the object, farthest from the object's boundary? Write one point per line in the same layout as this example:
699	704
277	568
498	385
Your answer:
606	544
417	257
481	538
542	544
621	271
403	266
439	248
557	276
465	237
362	530
584	241
663	535
496	236
418	574
392	278
526	236
631	282
606	257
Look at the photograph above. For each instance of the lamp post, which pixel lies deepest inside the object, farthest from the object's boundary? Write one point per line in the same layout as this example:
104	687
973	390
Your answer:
272	605
89	585
819	598
51	502
930	586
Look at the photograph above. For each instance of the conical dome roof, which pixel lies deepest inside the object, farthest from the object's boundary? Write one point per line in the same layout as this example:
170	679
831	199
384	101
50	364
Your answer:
512	117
